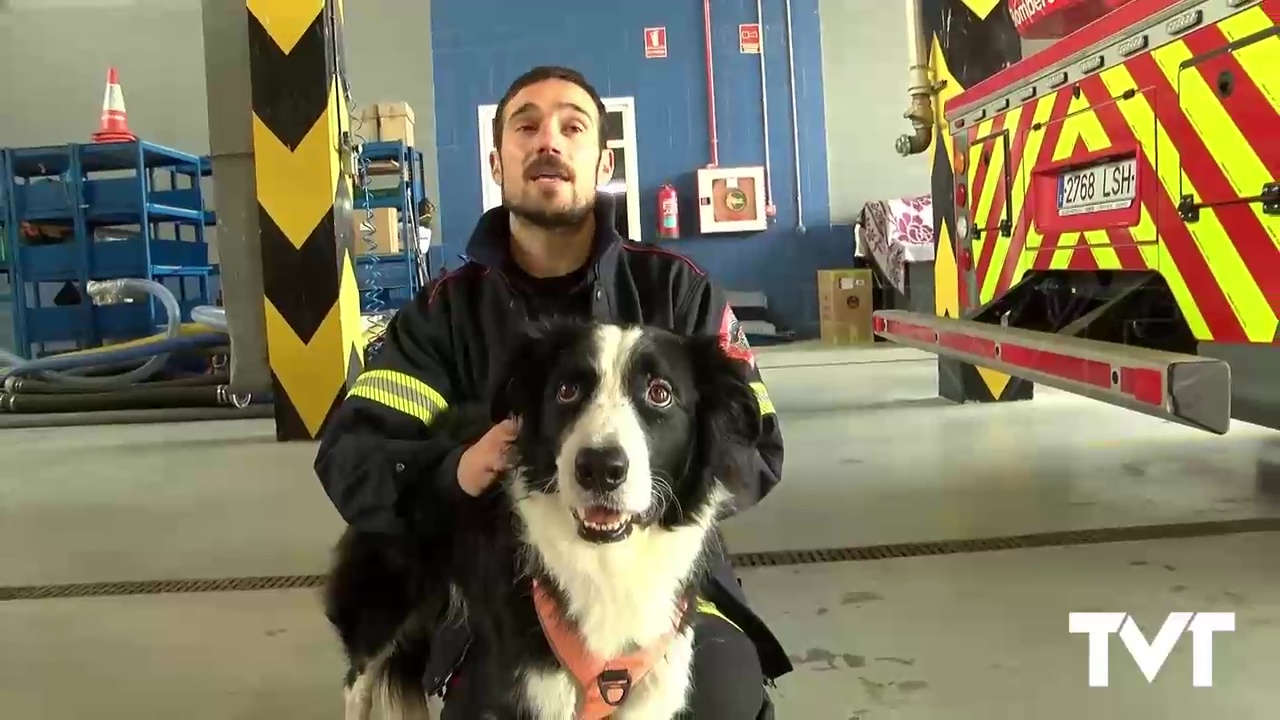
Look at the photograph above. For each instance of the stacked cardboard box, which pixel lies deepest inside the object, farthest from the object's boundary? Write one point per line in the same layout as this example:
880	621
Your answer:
385	232
845	306
387	122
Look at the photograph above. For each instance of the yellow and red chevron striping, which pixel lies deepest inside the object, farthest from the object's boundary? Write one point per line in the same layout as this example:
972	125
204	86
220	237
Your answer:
1124	243
1181	264
1243	259
1245	103
982	160
1011	265
1020	120
1210	114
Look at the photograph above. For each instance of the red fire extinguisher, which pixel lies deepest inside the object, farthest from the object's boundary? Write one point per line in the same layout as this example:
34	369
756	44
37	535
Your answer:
668	213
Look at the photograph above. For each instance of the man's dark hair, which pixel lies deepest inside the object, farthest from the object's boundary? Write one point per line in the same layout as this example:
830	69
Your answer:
537	75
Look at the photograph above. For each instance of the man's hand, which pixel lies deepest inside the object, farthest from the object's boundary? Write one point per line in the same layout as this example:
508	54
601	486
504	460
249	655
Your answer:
481	463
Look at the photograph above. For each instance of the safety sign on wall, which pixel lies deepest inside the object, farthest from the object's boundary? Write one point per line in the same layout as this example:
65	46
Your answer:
749	38
655	42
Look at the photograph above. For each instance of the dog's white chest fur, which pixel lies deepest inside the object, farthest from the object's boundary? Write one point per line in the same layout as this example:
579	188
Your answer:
660	695
620	596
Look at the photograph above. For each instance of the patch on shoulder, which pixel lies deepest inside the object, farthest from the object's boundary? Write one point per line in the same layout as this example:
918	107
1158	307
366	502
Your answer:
733	340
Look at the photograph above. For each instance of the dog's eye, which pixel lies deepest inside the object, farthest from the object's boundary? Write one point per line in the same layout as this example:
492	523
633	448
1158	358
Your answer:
659	393
567	393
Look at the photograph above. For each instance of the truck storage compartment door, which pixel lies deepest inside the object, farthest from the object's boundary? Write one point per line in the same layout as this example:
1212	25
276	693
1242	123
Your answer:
984	214
989	182
1226	132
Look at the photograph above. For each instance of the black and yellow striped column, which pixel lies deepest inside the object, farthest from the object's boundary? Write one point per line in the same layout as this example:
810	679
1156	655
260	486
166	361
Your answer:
311	301
968	41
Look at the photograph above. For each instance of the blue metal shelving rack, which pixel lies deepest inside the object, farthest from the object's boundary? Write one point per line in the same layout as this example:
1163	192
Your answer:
92	193
389	280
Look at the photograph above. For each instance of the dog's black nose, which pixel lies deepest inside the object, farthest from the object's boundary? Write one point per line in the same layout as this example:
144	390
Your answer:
601	468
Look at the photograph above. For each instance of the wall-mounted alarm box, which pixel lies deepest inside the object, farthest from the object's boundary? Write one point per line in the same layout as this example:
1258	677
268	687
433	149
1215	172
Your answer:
731	200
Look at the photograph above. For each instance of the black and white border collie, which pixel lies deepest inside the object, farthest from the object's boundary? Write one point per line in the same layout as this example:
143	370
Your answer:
624	461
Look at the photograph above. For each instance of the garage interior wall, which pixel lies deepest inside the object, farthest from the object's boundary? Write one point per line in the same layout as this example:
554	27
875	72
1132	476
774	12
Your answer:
482	45
864	67
446	58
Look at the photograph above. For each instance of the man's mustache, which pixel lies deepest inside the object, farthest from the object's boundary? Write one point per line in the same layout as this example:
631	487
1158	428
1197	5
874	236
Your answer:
548	165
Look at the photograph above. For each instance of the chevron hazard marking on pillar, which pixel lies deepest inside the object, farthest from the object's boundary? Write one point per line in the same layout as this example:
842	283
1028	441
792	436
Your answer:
308	275
286	22
979	37
313	266
321	377
995	380
981	8
349	307
946	297
941	151
282	100
296	188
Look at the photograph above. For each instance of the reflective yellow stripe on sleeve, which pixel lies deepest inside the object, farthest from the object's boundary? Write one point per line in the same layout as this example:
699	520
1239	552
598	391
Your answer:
401	392
762	397
706	607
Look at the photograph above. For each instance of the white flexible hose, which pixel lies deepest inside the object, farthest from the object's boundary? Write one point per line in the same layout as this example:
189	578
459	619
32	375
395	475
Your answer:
113	290
211	316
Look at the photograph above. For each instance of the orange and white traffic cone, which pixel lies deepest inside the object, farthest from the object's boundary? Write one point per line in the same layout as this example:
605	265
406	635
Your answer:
114	126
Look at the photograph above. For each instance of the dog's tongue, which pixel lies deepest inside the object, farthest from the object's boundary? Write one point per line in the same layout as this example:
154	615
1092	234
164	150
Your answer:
601	516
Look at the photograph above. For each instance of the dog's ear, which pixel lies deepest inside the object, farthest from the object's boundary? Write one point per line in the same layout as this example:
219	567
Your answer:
517	380
523	375
727	403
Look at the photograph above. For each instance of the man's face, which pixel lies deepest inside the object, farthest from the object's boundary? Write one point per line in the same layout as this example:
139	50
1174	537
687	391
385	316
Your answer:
550	162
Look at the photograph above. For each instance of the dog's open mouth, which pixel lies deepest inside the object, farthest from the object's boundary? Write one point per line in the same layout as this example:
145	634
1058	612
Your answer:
603	525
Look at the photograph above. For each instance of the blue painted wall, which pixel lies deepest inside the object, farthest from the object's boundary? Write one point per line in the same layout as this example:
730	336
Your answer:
480	46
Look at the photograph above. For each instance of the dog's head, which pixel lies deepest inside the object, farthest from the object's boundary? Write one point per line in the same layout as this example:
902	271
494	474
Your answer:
625	427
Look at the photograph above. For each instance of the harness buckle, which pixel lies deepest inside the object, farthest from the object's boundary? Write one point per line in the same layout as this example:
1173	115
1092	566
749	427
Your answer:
615	686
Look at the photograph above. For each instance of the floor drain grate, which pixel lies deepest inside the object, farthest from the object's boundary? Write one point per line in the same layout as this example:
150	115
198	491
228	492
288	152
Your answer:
1095	536
160	587
775	558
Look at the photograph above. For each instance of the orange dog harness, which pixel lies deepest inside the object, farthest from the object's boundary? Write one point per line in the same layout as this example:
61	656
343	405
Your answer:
605	683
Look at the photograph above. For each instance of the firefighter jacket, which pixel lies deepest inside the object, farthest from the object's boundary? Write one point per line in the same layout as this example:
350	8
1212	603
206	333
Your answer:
378	455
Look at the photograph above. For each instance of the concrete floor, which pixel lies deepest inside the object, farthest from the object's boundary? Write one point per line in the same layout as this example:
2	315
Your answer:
872	458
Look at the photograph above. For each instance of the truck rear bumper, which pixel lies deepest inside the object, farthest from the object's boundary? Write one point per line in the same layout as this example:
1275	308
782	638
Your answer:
1187	389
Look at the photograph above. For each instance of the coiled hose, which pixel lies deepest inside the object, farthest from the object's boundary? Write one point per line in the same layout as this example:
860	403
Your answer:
211	316
61	369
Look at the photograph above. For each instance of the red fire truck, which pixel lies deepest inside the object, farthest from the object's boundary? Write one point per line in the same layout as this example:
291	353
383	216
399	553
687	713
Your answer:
1112	221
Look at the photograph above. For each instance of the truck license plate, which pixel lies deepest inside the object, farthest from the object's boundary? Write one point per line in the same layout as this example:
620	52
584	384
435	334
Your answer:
1107	186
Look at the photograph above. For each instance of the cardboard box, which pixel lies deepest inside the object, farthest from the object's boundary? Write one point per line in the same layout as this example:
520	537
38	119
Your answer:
386	231
387	122
845	305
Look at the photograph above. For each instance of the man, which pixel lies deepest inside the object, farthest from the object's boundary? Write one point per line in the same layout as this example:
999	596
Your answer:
550	249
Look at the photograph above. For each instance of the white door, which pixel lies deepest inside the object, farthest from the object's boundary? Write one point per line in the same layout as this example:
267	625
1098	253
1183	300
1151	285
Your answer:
620	127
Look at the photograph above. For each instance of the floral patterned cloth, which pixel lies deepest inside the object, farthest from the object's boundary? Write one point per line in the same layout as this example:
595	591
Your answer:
897	232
